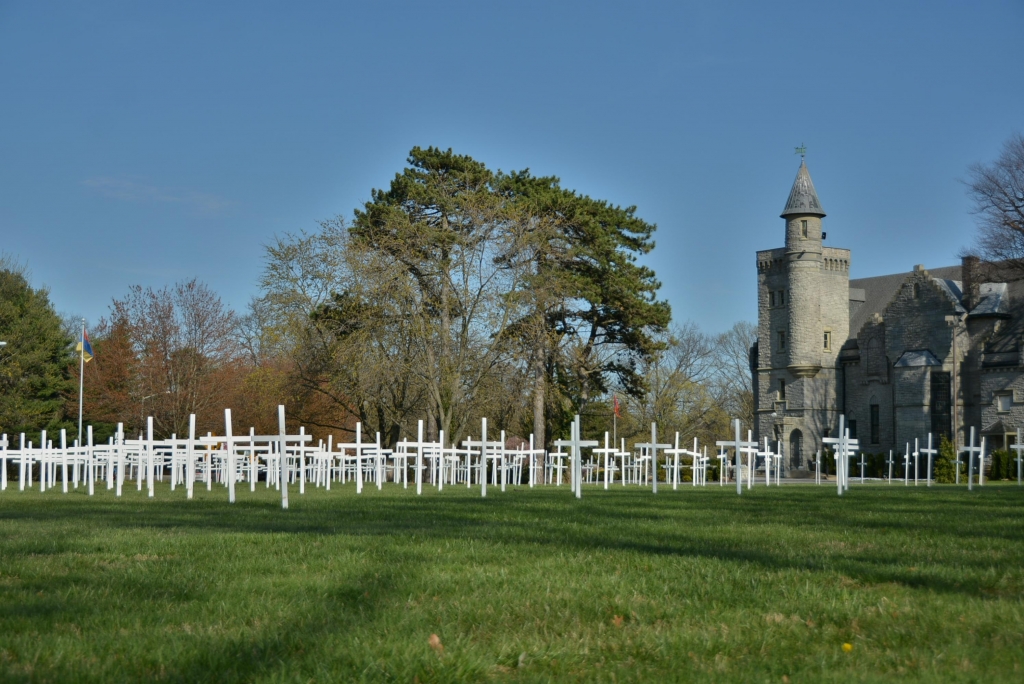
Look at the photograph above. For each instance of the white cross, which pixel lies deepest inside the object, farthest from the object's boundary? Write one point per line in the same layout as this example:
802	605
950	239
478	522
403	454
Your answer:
768	458
916	454
623	459
722	458
971	451
698	464
64	457
485	446
576	457
534	452
43	460
190	462
889	461
608	452
739	447
419	444
931	452
502	454
92	461
1019	448
119	442
3	462
778	463
906	465
282	439
981	466
654	446
230	454
845	448
675	453
358	447
751	452
149	456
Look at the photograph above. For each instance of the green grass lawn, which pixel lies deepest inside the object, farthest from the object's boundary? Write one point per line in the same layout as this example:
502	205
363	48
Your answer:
693	585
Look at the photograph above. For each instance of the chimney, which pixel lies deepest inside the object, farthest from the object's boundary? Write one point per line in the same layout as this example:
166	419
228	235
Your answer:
970	276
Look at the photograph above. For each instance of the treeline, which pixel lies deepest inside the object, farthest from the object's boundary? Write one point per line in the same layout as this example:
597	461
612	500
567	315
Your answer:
458	292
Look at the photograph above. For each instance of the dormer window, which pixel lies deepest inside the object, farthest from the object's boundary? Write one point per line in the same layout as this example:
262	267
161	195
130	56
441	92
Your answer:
803	227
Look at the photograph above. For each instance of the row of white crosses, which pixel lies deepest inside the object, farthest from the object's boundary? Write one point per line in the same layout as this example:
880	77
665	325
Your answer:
740	447
149	459
291	458
698	463
917	453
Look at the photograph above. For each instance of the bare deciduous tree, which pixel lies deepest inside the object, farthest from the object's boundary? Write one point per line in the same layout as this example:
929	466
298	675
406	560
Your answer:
179	352
733	382
997	190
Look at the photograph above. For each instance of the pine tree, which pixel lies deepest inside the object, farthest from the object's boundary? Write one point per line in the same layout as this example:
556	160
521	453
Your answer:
35	363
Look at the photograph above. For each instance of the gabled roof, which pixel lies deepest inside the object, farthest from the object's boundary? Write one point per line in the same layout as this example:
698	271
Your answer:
996	428
879	291
803	200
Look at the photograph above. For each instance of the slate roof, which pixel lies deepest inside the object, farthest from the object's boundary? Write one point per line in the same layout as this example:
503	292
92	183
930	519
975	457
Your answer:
871	295
803	199
1012	331
880	291
994	300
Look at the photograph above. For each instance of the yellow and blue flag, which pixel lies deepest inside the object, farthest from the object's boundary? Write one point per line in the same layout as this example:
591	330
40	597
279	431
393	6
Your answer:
84	347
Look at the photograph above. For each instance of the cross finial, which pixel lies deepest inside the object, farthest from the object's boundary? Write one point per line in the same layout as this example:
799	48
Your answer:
802	151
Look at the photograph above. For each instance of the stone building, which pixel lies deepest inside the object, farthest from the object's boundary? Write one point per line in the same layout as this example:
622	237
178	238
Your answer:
899	355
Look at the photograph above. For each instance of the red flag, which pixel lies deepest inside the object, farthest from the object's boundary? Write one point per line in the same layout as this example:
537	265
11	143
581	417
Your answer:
615	406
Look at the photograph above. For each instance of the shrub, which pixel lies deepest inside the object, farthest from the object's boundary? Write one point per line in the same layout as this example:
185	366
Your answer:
945	462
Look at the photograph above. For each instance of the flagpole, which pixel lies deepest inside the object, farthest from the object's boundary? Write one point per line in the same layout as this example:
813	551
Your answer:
81	379
615	416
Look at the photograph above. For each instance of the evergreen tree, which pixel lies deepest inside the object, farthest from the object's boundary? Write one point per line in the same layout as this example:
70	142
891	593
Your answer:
35	363
595	316
945	465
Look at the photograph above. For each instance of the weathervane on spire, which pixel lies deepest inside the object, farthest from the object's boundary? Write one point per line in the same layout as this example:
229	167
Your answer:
802	151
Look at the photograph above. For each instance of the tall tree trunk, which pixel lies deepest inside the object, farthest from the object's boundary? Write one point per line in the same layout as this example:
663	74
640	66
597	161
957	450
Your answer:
539	389
431	423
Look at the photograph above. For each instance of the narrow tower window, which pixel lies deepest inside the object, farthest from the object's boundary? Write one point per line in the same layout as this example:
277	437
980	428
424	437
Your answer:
803	227
782	390
771	298
828	340
782	340
874	423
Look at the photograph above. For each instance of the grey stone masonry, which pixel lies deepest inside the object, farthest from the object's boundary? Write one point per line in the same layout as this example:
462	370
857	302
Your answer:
901	355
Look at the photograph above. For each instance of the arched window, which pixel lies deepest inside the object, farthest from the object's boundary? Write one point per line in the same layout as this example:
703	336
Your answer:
796	439
875	359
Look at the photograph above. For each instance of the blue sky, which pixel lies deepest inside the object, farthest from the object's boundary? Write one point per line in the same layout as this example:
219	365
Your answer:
147	143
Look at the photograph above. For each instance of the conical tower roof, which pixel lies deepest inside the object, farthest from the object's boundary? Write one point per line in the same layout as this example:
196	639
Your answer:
803	200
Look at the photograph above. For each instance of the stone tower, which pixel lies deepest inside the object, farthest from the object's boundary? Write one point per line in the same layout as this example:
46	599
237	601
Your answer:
803	320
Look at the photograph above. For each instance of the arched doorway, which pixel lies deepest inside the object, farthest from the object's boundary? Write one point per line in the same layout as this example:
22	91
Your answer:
796	440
